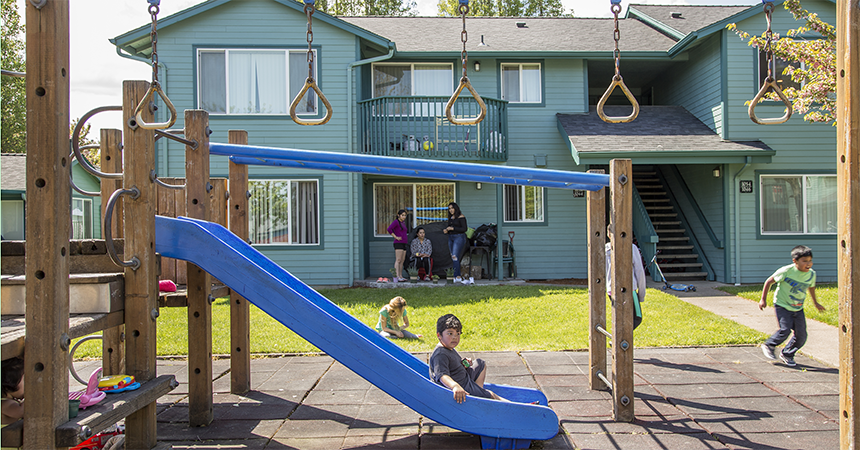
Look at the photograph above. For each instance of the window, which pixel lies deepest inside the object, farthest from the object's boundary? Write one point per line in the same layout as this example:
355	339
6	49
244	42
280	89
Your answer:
425	202
82	218
408	80
521	83
523	203
782	80
12	220
262	81
798	204
284	212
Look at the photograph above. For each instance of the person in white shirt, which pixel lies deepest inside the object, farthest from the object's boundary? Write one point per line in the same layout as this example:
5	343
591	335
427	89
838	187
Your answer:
638	279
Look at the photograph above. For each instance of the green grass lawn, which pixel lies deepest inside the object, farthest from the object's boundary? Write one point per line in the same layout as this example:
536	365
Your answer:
494	318
826	294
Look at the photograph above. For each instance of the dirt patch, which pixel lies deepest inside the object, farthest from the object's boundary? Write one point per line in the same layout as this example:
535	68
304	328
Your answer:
563	281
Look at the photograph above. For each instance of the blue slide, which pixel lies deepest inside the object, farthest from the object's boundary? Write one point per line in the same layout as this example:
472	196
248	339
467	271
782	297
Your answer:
352	343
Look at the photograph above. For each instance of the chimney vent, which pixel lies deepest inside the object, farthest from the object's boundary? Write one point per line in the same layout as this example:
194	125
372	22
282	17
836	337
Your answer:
521	25
676	15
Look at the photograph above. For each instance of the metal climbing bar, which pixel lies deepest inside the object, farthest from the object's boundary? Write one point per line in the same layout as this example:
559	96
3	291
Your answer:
617	80
769	81
591	181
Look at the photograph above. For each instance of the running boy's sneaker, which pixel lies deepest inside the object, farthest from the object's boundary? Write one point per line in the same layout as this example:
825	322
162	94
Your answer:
788	360
768	352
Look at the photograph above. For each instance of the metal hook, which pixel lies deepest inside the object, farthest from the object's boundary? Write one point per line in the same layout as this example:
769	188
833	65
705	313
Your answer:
154	88
617	81
770	82
310	84
464	83
76	136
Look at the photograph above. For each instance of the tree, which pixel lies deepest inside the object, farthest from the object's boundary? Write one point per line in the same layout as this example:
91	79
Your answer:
816	68
13	111
505	8
367	7
93	155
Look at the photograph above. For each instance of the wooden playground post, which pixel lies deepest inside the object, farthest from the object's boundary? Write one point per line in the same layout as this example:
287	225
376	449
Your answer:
197	188
141	285
848	199
110	143
48	225
596	213
621	197
240	310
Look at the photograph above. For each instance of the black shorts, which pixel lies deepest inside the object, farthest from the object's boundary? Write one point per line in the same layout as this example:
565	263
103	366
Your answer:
399	246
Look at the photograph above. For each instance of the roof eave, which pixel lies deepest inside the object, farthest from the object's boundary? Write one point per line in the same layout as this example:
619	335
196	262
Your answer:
654	23
675	157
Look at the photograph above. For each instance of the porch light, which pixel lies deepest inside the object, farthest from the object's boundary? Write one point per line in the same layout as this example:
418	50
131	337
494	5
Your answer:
716	172
477	66
478	186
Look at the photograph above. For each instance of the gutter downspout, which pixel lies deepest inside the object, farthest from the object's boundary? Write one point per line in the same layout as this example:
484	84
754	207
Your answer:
738	223
164	68
350	126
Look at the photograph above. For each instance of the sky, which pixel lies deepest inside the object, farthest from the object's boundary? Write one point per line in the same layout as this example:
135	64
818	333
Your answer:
97	72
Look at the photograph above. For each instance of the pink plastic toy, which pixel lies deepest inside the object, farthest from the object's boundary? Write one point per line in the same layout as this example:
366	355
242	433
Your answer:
166	286
92	395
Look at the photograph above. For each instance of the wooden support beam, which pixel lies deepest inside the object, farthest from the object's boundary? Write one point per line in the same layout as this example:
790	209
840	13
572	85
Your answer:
848	230
240	310
197	201
141	285
596	213
621	191
48	219
113	339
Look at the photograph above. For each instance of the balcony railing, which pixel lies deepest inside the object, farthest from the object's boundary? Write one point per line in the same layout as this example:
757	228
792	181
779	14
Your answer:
416	127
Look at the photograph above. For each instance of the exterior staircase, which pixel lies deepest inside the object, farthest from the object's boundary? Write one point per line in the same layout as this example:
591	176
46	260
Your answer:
676	255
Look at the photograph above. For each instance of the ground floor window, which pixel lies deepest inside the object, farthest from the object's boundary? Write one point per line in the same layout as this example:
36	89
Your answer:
284	212
798	204
425	203
82	218
523	204
12	220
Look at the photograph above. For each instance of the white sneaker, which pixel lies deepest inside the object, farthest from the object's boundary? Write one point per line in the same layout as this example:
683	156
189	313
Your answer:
465	282
471	280
458	280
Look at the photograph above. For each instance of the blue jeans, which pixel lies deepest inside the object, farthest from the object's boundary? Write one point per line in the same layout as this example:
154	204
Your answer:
788	321
456	245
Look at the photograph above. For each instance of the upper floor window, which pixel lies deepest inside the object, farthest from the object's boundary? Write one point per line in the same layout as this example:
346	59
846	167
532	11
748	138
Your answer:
798	204
259	81
12	219
521	83
424	202
82	218
523	203
284	212
399	79
784	81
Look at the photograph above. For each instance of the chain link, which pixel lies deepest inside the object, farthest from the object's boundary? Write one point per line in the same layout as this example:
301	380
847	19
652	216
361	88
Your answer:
309	11
616	8
153	36
768	49
464	36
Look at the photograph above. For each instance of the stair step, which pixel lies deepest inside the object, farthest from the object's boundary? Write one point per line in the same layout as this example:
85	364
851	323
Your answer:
674	247
649	186
675	239
637	173
655	200
684	275
677	256
663	215
679	265
661	232
659	208
675	222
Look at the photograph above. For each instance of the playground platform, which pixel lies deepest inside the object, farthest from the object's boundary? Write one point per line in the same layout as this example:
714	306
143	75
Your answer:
690	398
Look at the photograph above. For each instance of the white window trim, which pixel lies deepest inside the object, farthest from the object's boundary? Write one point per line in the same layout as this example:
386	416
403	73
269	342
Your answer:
521	78
290	212
412	73
804	206
522	219
414	199
286	52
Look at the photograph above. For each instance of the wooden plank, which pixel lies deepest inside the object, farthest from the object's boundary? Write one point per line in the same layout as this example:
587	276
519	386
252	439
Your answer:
596	217
47	222
110	147
97	418
179	204
218	201
621	191
141	285
848	229
167	207
197	206
179	299
240	310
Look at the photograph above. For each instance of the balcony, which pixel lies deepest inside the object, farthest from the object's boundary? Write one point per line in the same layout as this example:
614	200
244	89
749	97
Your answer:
416	127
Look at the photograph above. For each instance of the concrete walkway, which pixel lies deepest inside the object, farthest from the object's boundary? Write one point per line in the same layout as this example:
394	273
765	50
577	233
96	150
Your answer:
822	343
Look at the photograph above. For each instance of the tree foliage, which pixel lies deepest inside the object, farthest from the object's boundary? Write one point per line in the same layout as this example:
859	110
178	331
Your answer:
93	155
816	99
13	111
505	8
367	7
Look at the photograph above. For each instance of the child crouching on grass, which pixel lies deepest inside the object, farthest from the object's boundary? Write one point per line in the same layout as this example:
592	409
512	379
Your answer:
461	375
388	324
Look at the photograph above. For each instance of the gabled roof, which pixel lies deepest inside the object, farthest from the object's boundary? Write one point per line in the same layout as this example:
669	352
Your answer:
660	134
680	20
502	34
137	42
13	171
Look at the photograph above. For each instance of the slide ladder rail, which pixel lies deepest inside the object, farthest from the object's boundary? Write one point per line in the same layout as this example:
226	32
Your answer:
346	339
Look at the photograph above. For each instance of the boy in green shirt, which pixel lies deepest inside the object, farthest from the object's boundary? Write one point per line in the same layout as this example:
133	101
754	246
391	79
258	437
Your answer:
792	282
